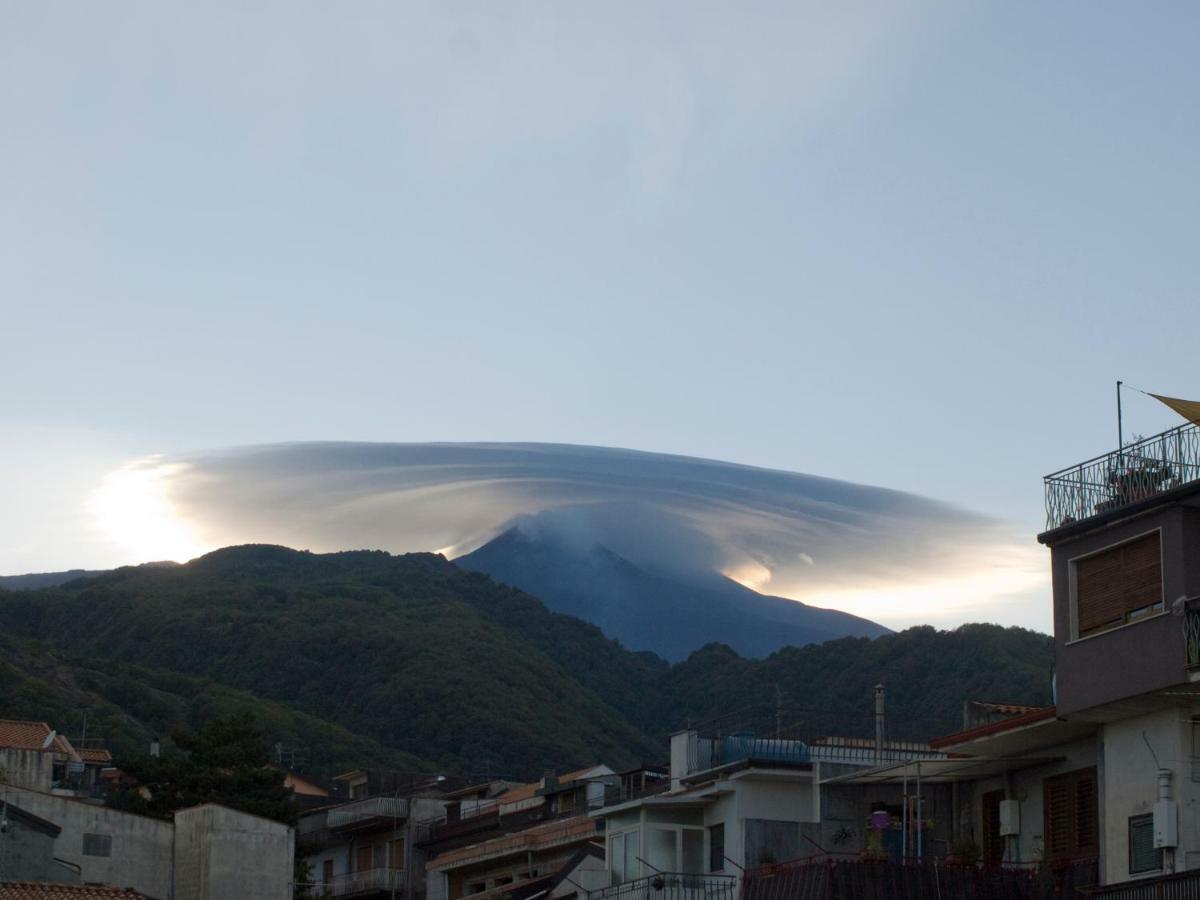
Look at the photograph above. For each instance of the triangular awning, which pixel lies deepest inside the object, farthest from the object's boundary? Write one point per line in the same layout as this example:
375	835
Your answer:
1189	409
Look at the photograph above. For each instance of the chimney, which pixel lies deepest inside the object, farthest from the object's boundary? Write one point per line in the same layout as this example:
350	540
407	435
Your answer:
154	747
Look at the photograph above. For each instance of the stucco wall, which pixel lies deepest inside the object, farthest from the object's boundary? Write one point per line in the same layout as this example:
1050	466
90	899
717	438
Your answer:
223	853
1131	784
141	846
33	769
316	861
27	854
1138	658
1025	786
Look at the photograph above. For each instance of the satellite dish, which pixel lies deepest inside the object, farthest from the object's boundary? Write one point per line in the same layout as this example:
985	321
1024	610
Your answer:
49	739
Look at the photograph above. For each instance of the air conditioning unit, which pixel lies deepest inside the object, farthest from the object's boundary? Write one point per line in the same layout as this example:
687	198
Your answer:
1010	817
1166	824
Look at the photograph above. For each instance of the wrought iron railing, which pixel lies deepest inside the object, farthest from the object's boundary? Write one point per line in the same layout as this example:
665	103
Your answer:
1191	631
671	886
1123	477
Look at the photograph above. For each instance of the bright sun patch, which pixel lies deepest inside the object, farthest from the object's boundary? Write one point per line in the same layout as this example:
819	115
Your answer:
132	509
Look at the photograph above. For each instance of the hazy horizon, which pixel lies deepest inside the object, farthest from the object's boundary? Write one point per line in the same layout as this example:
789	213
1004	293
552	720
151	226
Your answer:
909	245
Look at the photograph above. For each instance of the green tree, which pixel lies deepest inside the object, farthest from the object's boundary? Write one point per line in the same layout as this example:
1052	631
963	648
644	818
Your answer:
226	762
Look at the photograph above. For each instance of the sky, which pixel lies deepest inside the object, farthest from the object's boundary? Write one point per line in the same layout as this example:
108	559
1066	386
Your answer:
910	245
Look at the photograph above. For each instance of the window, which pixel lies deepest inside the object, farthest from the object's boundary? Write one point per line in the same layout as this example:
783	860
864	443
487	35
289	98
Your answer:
97	844
1118	585
1142	855
363	857
396	851
716	848
1069	815
993	841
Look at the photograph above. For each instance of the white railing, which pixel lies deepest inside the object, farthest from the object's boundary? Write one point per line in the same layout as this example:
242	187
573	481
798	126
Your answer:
360	810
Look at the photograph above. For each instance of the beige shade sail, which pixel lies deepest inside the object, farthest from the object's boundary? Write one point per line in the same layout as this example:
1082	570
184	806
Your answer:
1189	409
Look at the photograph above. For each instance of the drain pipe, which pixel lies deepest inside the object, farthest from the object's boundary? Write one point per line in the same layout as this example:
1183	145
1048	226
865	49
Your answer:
879	724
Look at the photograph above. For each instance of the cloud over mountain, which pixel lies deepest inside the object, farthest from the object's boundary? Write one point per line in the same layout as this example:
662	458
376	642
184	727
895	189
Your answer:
816	539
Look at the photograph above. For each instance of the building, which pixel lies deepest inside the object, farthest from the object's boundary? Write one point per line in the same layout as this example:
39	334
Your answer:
364	847
1104	785
35	756
207	852
535	838
736	800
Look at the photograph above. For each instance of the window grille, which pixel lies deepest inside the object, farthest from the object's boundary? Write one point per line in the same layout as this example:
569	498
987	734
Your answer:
1142	855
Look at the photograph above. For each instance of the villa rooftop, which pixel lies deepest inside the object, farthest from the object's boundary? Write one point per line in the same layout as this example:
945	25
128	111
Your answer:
1124	478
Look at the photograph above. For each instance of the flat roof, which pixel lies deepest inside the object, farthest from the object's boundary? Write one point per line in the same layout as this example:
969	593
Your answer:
942	771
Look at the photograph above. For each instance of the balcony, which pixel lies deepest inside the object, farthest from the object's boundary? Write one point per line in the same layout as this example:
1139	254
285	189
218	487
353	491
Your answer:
365	814
797	738
846	877
1123	477
671	886
367	881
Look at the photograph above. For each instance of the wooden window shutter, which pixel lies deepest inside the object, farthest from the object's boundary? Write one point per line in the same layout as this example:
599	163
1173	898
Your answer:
993	842
1056	818
1114	583
1087	831
1070	820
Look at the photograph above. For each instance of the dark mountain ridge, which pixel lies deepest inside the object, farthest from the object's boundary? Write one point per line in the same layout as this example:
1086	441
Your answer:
669	613
412	661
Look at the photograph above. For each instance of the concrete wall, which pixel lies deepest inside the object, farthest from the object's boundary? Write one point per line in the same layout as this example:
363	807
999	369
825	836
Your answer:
27	854
32	769
1131	785
1137	658
1025	786
339	855
141	846
221	853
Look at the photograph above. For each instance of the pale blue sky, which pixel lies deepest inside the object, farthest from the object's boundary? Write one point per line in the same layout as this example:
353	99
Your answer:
909	245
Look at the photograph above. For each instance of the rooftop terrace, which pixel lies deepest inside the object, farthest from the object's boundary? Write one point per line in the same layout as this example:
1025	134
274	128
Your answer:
1123	477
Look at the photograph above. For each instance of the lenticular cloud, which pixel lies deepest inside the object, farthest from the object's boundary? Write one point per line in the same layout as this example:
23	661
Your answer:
793	534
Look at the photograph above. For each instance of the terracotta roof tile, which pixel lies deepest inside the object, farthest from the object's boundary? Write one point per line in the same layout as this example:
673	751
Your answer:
1032	716
26	735
95	755
30	890
527	791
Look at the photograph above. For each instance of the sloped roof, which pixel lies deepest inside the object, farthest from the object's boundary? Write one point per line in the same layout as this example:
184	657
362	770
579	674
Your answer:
31	890
528	791
1029	717
95	755
26	735
540	837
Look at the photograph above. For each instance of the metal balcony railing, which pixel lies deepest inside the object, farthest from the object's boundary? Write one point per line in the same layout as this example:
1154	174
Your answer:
361	812
1180	886
1191	631
671	886
1123	477
710	751
363	882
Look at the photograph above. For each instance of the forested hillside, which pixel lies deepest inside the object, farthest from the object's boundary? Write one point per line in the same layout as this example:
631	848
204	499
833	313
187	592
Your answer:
410	662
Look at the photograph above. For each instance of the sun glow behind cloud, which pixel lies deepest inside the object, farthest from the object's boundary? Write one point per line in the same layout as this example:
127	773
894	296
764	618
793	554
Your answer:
133	510
896	558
